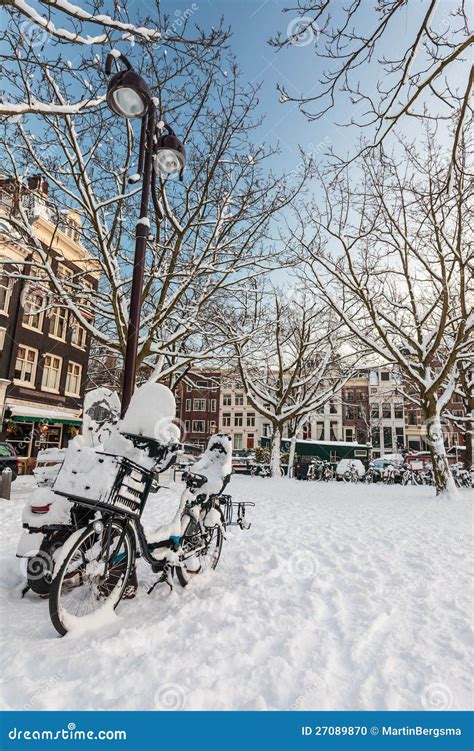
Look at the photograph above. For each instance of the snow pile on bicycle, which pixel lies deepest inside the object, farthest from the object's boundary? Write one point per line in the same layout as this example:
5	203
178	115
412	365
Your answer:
88	564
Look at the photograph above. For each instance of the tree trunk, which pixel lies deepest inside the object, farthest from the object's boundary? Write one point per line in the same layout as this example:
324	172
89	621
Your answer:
469	403
443	478
275	461
291	456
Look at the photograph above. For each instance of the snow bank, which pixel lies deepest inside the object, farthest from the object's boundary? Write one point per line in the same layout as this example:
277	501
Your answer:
340	596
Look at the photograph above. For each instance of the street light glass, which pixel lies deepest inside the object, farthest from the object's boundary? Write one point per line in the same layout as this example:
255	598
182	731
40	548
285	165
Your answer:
169	161
128	102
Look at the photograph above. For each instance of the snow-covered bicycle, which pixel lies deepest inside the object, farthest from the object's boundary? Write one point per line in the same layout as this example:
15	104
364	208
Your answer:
96	563
94	567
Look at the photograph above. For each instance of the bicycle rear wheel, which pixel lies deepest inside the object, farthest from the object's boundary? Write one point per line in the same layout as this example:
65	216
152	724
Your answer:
93	575
200	551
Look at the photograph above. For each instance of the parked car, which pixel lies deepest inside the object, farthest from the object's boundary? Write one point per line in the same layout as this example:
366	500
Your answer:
345	465
8	458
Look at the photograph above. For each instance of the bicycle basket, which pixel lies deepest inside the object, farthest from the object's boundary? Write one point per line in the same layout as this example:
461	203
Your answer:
105	481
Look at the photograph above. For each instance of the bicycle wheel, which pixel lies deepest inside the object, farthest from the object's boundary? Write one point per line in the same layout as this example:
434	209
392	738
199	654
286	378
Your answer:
93	574
199	552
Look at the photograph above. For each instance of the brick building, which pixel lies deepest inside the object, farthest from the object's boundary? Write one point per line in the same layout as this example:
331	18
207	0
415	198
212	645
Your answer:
44	351
197	400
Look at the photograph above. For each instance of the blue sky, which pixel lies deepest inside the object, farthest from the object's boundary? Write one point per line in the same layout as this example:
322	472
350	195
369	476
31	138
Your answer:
297	68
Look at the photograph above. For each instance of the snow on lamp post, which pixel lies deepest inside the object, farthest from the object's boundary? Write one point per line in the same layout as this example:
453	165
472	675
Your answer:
129	96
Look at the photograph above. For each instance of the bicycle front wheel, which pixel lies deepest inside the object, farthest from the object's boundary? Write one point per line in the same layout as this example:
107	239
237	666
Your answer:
200	551
93	574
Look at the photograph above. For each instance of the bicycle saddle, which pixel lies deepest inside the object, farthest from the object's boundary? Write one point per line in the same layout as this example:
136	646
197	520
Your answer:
193	480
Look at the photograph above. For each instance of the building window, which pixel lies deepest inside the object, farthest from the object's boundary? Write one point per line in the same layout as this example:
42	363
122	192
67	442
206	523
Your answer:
376	437
226	420
385	375
387	438
188	405
361	435
58	323
266	430
202	384
412	418
375	410
212	426
33	313
251	420
51	373
188	387
5	292
199	405
239	400
398	411
25	366
73	379
332	408
199	426
386	410
350	396
227	400
400	435
238	420
187	426
78	336
238	442
349	435
213	405
351	412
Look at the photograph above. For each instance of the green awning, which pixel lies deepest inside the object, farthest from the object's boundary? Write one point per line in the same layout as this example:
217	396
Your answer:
46	420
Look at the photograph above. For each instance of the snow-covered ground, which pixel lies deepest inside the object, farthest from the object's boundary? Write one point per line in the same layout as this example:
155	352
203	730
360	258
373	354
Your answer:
339	597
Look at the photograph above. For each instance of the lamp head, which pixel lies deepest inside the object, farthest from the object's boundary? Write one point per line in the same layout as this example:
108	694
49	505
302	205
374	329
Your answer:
128	95
170	154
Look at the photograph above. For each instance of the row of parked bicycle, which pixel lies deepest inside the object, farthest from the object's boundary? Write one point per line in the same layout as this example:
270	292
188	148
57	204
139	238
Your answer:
389	474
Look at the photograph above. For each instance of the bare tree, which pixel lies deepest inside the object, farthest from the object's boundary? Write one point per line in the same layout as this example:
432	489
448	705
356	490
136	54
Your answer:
210	233
392	254
289	364
389	60
70	49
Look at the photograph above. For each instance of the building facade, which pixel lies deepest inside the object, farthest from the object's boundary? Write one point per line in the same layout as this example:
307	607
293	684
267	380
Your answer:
44	350
198	406
238	417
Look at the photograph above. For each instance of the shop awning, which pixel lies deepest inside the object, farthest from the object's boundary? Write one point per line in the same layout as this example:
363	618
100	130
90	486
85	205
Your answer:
38	414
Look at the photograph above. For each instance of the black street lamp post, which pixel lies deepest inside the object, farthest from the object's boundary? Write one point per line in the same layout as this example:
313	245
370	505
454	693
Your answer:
128	95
